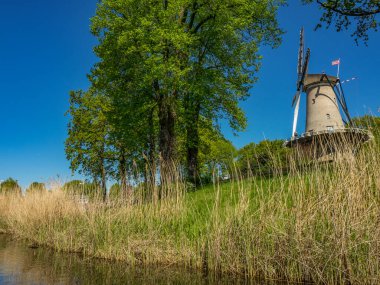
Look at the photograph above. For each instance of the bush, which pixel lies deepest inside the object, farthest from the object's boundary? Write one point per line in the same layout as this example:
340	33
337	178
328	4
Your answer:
262	158
10	186
36	187
371	123
79	187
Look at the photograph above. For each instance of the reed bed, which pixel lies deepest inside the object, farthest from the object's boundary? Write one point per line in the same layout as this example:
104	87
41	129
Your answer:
317	223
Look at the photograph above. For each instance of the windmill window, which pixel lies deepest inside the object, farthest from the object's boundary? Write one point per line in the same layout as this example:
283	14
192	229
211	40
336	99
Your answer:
328	116
313	101
330	128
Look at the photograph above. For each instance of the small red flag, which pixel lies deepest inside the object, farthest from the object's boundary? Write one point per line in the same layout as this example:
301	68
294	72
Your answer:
336	62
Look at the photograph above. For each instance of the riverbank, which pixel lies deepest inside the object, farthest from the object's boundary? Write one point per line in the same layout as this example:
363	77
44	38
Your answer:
319	225
21	264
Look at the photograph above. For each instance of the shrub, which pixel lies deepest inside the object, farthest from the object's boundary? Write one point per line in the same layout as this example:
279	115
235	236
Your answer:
79	187
10	186
36	187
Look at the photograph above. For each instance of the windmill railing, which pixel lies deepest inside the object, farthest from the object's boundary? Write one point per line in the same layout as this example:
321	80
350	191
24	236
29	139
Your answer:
351	131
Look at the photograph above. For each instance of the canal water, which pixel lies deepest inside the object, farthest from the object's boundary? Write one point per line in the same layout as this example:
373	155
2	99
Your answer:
21	264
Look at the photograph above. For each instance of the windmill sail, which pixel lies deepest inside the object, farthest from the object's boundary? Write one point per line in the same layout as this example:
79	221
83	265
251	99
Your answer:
301	77
302	68
300	56
295	119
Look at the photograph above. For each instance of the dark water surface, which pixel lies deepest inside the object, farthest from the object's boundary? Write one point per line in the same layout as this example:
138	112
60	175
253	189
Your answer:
20	264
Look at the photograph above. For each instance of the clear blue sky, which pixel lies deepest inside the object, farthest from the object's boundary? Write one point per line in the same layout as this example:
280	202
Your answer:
46	51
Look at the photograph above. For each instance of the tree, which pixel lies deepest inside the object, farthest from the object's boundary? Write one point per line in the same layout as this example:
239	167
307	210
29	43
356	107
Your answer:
343	13
134	48
10	185
87	145
216	154
132	128
263	158
182	60
80	188
36	187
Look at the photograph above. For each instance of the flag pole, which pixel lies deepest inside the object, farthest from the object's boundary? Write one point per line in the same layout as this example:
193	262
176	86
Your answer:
337	75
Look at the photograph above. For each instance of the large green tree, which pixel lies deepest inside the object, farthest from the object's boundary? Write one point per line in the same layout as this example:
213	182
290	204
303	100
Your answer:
182	60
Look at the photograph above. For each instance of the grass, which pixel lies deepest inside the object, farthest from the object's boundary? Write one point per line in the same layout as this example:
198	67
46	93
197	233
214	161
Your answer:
320	224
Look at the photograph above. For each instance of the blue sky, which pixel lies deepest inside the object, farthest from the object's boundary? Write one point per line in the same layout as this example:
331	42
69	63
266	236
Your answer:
46	51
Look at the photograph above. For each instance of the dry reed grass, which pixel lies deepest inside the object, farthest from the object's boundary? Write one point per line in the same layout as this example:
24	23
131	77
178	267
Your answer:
319	223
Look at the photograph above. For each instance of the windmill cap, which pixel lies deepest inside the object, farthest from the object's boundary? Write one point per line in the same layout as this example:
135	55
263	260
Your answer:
316	79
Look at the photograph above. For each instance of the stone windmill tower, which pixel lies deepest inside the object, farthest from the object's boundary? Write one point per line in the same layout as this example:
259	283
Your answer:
327	133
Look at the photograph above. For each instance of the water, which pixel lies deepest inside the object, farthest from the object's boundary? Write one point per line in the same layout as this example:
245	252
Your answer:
21	264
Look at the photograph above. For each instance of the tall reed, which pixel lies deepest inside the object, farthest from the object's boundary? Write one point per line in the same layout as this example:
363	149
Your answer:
319	222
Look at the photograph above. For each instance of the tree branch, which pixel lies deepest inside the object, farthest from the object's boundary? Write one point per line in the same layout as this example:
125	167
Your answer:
355	12
201	23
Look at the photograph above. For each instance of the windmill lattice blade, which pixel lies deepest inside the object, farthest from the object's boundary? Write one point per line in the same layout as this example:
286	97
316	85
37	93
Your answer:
304	71
295	98
295	119
300	57
306	64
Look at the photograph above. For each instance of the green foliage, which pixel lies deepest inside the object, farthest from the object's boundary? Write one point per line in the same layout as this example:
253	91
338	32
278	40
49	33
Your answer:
87	133
372	124
87	146
369	122
346	13
79	187
10	185
194	54
262	158
216	154
36	187
165	68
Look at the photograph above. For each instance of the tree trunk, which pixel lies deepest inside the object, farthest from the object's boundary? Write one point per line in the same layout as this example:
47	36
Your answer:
166	137
192	164
192	141
151	167
123	174
103	181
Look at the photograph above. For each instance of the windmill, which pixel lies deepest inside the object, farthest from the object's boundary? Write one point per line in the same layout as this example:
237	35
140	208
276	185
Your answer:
325	101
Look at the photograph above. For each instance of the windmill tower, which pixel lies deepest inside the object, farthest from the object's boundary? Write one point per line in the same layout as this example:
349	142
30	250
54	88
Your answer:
327	134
